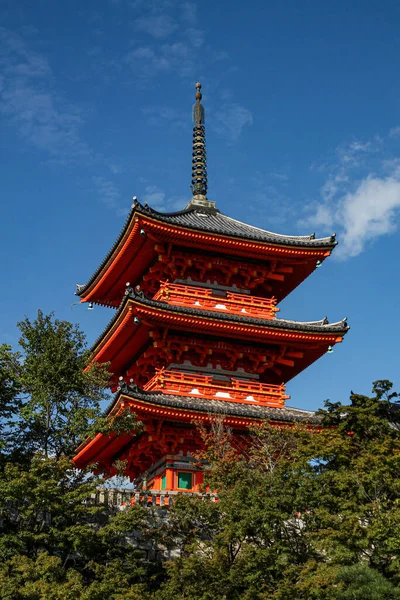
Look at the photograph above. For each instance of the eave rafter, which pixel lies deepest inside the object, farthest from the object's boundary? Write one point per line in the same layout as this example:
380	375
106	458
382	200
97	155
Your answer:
146	232
158	413
141	329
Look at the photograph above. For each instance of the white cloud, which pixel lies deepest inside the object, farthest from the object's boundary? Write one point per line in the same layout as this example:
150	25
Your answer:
28	101
115	168
283	177
157	199
195	36
158	115
231	120
108	193
154	197
363	214
353	154
189	12
394	132
158	26
149	61
333	185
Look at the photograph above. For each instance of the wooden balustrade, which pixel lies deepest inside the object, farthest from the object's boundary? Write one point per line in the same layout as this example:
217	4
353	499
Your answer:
233	390
217	300
124	498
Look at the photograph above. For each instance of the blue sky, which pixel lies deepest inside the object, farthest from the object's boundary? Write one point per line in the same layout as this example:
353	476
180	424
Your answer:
303	134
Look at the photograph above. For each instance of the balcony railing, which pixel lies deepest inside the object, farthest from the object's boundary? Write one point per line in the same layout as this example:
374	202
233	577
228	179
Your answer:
217	300
123	497
207	386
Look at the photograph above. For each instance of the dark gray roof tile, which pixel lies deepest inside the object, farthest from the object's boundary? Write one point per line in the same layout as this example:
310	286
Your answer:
216	407
213	221
321	326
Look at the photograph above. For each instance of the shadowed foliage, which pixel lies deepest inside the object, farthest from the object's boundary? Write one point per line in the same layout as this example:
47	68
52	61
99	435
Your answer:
301	513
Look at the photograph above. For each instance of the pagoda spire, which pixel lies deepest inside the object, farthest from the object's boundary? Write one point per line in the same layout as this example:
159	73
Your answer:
199	158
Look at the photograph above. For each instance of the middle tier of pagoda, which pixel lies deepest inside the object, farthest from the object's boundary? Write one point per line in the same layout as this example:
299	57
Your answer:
194	332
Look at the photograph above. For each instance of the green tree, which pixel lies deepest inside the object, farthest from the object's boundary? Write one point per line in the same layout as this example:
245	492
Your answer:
360	582
311	514
55	542
299	511
61	390
9	393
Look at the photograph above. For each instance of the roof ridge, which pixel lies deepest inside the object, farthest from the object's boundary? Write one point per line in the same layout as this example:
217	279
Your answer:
310	237
138	295
212	406
188	209
217	224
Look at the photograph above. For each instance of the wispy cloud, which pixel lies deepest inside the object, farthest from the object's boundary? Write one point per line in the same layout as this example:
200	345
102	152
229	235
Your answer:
115	168
157	199
158	26
29	102
156	115
110	195
174	50
231	120
189	12
196	37
107	191
362	207
394	132
149	61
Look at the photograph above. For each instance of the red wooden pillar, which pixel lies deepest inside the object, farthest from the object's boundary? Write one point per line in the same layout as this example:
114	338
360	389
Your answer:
169	484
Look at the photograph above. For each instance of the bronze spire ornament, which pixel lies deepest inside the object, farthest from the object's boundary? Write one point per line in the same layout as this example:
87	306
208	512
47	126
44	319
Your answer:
199	161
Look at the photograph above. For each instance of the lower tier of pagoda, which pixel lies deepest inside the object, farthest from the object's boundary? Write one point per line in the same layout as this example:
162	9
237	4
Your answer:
174	473
170	426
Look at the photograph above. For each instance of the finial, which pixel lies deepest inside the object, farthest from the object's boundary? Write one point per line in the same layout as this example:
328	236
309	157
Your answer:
198	109
199	166
199	95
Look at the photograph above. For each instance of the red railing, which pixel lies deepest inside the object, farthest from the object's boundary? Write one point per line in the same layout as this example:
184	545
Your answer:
218	300
207	386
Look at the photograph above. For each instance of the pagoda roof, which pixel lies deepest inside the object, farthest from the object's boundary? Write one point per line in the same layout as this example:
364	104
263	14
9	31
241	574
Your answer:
209	220
132	328
210	406
321	326
183	410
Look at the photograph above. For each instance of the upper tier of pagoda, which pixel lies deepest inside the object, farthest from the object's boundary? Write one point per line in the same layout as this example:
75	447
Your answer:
154	245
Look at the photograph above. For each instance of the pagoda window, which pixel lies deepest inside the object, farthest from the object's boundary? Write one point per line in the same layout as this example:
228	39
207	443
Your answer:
164	482
219	292
185	480
215	286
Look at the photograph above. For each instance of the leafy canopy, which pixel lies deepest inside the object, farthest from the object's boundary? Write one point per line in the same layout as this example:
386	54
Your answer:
301	513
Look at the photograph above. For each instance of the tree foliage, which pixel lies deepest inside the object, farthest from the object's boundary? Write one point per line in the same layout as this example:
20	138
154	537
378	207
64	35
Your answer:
305	513
301	514
54	541
61	390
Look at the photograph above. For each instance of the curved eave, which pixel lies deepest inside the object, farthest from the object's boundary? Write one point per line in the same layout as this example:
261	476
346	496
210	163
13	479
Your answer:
188	407
183	409
237	239
156	313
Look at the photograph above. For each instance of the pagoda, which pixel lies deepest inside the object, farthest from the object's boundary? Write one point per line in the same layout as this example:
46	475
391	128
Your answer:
195	332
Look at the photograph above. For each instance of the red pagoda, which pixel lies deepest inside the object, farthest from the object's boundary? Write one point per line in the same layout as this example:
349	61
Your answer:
197	334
